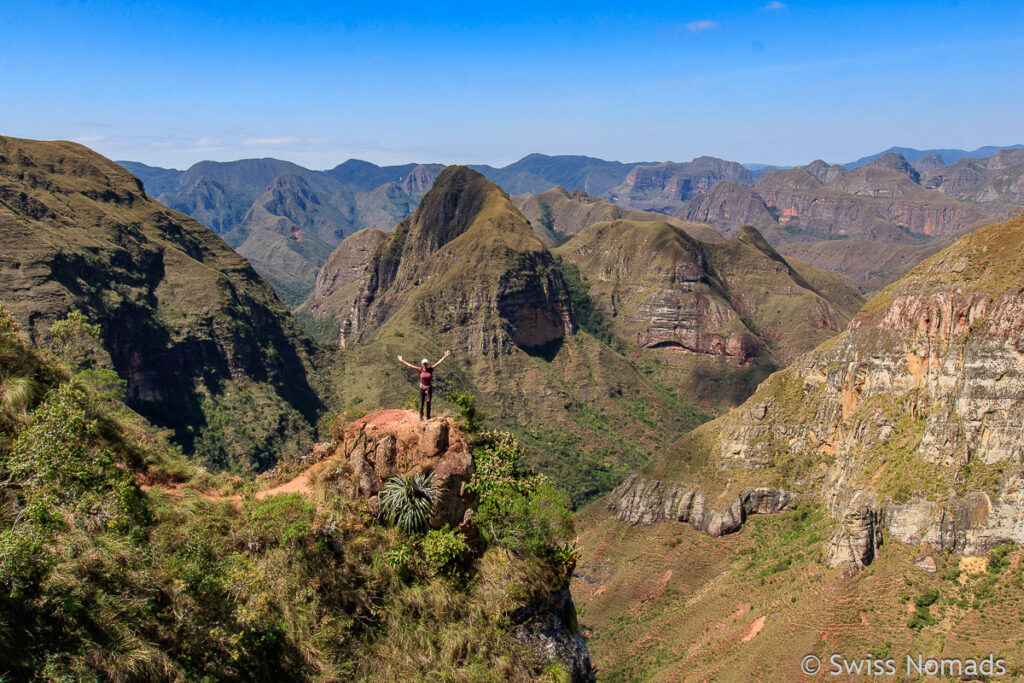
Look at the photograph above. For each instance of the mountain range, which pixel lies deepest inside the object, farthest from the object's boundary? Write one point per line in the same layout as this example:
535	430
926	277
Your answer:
948	156
287	219
596	343
764	466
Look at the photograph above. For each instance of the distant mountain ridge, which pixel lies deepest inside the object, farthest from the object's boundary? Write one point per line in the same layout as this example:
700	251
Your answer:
948	156
356	195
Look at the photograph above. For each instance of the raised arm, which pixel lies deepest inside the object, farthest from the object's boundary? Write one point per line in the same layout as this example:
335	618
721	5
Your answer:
446	354
402	361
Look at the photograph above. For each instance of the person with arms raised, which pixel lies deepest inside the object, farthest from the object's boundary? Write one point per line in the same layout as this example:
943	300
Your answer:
426	371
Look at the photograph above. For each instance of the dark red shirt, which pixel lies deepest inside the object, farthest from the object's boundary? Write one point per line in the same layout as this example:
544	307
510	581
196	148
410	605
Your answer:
426	377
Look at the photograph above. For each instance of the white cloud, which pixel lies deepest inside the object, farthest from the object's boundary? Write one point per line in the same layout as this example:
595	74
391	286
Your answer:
207	142
701	26
258	142
775	4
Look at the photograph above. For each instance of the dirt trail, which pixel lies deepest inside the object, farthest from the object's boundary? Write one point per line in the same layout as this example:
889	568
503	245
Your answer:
403	424
299	484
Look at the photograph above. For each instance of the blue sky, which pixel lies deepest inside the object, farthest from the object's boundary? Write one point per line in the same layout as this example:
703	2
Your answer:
778	82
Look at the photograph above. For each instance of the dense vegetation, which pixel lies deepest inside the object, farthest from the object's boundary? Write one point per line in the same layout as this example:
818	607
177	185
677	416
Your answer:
121	561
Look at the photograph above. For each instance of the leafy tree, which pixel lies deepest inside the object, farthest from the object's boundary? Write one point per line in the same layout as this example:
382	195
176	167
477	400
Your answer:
519	509
75	339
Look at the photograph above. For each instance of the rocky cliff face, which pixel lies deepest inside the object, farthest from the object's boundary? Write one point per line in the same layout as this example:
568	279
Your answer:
341	274
664	289
892	209
391	442
909	421
728	205
998	179
420	179
206	348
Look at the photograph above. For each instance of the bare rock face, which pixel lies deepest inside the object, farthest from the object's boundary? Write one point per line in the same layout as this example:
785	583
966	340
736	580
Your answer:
727	204
642	501
825	172
434	441
887	200
385	457
663	289
466	263
346	266
854	542
551	630
419	180
664	187
926	564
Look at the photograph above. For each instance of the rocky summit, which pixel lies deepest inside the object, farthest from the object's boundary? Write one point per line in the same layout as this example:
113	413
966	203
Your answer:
907	422
463	229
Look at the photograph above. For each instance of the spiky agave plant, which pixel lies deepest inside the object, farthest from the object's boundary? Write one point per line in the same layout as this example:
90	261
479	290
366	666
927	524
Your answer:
407	501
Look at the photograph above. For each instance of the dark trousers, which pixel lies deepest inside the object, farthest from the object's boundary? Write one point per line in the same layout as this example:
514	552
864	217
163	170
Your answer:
425	396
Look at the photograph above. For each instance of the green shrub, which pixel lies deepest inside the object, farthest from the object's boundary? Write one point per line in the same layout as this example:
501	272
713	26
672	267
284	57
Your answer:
928	598
441	547
281	520
499	472
518	509
922	617
407	501
470	417
64	474
998	560
922	614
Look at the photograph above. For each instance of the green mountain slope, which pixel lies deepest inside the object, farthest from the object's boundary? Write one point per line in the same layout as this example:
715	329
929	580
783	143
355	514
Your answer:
206	347
901	435
739	298
119	560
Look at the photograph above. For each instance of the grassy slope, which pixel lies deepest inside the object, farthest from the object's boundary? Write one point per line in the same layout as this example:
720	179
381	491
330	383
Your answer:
669	603
102	580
